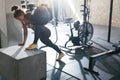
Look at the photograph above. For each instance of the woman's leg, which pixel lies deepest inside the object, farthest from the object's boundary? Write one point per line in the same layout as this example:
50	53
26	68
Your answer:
48	42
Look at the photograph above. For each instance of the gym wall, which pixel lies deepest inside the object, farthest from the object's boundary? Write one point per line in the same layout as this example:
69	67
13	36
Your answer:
72	9
99	11
3	27
14	27
39	2
8	31
116	13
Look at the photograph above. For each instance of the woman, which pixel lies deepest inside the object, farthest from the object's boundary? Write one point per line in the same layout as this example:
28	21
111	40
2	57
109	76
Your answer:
20	15
39	18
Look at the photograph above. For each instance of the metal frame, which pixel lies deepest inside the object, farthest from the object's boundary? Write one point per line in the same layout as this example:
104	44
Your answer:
110	20
0	40
97	57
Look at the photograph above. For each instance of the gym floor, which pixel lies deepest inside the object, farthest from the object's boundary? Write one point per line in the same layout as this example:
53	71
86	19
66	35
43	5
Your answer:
71	66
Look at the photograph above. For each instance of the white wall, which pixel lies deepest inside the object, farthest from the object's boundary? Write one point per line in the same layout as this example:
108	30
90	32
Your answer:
14	30
10	3
9	28
14	27
3	28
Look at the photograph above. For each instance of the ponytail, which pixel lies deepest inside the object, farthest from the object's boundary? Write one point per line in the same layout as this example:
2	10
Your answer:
14	8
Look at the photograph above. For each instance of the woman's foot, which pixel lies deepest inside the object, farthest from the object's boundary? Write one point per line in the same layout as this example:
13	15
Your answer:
32	46
60	56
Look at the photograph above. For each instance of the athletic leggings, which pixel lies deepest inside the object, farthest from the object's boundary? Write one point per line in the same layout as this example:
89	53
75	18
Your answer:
44	33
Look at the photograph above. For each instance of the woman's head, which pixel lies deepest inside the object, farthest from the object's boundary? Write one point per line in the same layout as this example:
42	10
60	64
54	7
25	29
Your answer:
18	13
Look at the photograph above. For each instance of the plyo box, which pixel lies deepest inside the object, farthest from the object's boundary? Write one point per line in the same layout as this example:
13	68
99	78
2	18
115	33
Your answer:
16	63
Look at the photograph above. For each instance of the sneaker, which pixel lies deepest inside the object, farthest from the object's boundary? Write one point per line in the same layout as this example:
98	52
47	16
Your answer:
32	46
60	56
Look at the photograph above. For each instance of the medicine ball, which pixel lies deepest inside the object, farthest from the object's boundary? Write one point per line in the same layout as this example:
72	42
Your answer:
40	16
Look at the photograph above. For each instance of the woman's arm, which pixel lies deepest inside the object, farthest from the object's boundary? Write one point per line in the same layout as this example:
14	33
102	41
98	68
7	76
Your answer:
25	33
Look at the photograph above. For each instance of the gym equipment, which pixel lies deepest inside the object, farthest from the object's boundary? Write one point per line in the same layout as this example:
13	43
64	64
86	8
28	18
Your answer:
97	57
75	40
0	39
23	65
40	16
85	30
